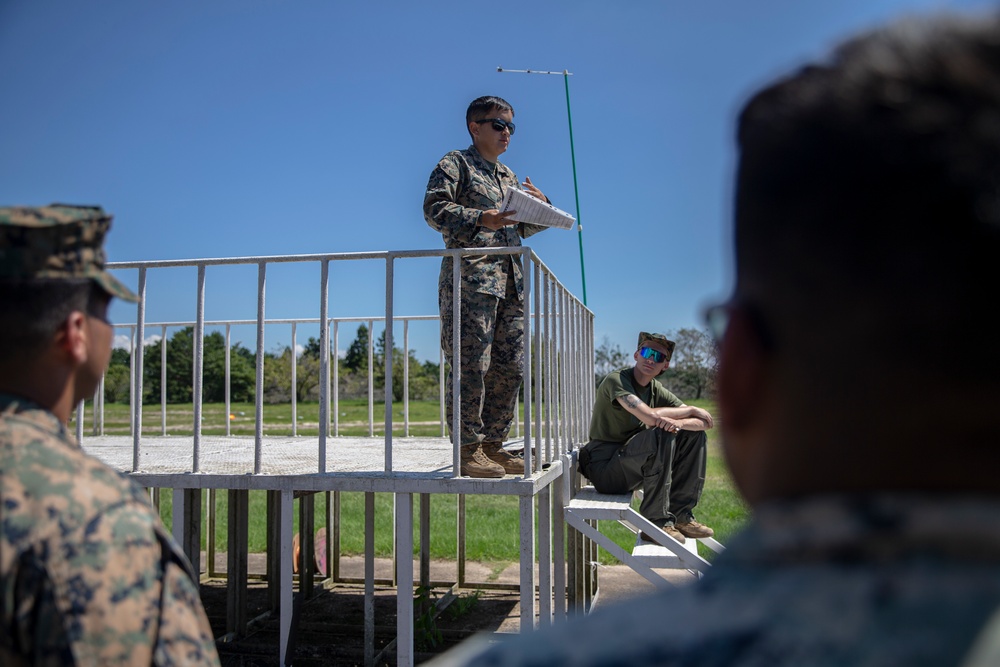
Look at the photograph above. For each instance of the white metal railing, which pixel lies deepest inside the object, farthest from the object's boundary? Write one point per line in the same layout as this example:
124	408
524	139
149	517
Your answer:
559	345
229	324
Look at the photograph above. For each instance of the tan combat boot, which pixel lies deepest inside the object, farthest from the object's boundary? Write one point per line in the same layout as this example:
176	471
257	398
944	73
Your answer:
512	465
695	530
476	464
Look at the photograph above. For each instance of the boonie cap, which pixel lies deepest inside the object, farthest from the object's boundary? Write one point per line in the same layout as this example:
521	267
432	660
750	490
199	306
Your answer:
659	339
60	241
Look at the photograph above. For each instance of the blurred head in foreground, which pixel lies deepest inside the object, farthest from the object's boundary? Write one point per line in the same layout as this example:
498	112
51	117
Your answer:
867	233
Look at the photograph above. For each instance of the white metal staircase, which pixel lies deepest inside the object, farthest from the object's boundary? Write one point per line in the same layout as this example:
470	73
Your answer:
588	507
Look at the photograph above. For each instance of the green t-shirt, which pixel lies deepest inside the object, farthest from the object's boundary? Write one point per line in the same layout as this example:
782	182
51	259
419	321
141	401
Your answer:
613	423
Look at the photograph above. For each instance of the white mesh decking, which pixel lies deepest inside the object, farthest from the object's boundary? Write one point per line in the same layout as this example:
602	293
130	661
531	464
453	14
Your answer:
229	455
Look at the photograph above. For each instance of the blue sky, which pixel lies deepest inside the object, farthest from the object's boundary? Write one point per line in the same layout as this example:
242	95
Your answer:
218	128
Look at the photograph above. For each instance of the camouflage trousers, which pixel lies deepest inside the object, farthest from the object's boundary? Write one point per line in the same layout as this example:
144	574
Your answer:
492	362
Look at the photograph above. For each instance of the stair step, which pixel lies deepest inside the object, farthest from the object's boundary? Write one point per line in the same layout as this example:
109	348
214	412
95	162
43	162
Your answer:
590	504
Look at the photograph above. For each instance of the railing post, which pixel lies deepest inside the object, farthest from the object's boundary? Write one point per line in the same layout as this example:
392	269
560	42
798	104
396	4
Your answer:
163	380
336	380
131	379
456	363
389	267
140	326
258	398
295	392
199	368
539	350
371	378
228	379
406	378
528	302
324	361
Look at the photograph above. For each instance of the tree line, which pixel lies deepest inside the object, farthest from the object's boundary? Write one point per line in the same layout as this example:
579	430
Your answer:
691	374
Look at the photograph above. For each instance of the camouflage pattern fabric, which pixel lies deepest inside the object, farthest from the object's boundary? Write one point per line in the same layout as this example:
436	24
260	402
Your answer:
460	188
57	241
492	327
492	358
88	574
862	581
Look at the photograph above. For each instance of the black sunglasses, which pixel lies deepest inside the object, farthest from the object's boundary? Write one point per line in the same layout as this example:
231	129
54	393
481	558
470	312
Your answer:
717	321
499	124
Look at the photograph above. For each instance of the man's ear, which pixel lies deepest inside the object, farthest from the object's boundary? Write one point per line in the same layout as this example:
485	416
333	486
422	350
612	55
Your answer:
474	128
71	337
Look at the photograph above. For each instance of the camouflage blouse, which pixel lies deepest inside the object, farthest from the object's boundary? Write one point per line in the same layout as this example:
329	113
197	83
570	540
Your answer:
88	574
461	187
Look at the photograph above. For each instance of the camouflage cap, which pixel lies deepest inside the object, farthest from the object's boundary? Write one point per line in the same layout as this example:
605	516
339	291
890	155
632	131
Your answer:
658	339
57	241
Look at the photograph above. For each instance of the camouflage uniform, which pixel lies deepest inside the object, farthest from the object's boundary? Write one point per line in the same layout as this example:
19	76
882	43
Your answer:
492	319
57	242
88	574
863	581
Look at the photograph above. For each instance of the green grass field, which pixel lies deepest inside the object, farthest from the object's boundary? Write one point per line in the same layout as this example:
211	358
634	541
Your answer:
492	521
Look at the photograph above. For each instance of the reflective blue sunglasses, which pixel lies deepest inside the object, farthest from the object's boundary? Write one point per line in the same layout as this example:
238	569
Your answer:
650	353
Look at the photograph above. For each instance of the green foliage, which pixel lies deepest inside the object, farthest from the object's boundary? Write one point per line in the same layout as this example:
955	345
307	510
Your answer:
463	604
691	374
121	357
608	357
356	358
117	381
180	369
426	634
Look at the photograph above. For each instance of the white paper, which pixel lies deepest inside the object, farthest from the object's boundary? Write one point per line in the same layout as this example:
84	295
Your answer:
534	211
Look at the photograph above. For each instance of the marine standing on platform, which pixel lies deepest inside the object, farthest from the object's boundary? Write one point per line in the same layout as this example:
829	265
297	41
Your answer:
461	202
88	574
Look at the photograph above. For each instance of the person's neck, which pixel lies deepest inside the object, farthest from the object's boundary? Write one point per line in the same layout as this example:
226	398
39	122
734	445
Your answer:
486	155
641	378
49	387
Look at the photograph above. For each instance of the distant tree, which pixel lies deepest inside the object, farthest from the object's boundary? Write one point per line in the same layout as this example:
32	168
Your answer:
242	375
278	376
180	370
692	370
356	358
421	385
607	357
120	356
423	377
117	381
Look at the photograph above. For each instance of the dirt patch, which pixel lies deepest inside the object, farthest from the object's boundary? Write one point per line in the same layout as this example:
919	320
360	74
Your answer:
329	628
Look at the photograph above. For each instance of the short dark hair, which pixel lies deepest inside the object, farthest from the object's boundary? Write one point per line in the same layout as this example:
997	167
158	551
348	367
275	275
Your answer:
481	107
31	310
867	204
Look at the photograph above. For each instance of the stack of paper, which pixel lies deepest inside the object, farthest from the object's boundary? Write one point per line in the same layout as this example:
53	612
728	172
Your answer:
534	211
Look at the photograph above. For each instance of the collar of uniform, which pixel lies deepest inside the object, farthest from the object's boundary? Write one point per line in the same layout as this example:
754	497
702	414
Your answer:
494	168
27	410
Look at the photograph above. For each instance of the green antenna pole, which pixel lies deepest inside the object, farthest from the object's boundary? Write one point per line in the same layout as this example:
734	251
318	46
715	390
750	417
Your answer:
576	190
